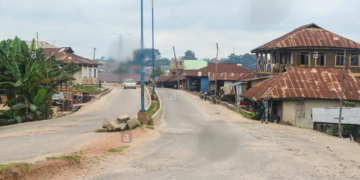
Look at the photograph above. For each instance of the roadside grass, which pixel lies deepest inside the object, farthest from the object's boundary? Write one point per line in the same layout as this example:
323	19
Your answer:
5	167
89	88
154	107
120	149
246	115
150	127
70	157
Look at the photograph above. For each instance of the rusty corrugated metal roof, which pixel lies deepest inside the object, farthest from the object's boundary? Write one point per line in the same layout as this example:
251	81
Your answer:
247	76
302	82
174	77
67	55
41	44
225	76
221	68
310	35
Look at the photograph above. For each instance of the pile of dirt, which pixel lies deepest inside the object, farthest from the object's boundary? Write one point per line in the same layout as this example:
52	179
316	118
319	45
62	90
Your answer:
40	170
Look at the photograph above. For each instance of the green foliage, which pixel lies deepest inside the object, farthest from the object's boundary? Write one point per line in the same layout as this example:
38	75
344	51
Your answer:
189	55
158	71
89	88
120	149
30	80
247	60
349	104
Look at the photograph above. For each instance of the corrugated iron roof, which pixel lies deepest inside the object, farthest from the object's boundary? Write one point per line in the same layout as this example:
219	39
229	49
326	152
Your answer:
310	35
67	55
41	44
225	76
221	68
302	82
248	76
174	77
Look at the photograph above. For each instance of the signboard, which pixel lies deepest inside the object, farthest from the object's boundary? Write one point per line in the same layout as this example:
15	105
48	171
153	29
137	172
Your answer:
331	115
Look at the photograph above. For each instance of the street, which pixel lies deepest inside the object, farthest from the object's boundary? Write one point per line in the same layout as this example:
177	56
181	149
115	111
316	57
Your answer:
35	141
199	140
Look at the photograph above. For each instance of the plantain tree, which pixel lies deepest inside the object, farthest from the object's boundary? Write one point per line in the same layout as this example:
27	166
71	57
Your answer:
30	80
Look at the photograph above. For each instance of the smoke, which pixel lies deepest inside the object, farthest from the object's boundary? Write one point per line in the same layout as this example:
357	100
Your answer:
122	49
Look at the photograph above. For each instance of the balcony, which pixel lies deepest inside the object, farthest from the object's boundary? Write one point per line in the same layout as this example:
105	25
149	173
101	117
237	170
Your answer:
269	69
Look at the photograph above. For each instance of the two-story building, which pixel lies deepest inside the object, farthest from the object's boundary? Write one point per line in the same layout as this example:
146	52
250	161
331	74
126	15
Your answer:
307	46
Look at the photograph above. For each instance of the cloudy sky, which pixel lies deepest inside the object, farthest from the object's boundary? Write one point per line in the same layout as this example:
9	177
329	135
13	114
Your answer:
237	25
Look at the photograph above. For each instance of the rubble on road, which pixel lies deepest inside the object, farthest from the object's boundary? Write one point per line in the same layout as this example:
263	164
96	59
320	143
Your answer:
123	119
121	123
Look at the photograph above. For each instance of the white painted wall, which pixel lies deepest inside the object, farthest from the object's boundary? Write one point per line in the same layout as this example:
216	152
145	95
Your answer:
289	115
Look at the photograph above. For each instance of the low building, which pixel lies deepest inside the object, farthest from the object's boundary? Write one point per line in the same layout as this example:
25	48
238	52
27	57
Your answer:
293	94
187	65
89	68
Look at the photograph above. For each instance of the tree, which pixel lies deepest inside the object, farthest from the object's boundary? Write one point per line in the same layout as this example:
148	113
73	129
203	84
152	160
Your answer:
30	80
147	55
158	71
189	55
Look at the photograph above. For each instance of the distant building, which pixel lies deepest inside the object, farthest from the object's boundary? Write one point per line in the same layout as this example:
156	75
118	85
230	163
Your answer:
89	68
187	65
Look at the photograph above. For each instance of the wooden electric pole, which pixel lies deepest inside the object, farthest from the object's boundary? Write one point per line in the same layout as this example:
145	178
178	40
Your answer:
94	53
177	74
217	53
341	96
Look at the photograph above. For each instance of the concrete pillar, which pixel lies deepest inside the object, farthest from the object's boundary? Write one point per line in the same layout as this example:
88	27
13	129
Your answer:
271	60
257	61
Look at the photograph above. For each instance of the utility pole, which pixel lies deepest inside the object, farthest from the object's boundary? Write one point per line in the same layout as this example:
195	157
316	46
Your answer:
37	39
177	74
217	53
153	50
94	53
341	96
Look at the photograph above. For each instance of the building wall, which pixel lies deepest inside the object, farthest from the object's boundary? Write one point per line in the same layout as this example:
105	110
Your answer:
87	75
228	83
180	66
330	59
256	82
289	111
204	84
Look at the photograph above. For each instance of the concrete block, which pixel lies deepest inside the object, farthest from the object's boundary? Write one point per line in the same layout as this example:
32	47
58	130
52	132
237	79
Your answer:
102	130
133	123
123	126
114	126
123	119
143	117
105	123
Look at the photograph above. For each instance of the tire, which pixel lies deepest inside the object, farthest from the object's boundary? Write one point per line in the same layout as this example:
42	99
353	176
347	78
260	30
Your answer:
124	87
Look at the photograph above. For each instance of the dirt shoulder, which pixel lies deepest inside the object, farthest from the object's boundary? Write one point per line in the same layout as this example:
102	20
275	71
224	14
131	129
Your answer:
87	160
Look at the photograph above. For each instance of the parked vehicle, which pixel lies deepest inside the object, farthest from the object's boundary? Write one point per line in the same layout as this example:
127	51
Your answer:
213	99
205	95
56	97
129	83
201	95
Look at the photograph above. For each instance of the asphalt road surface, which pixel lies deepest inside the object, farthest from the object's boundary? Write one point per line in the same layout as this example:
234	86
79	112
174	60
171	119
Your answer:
34	141
200	140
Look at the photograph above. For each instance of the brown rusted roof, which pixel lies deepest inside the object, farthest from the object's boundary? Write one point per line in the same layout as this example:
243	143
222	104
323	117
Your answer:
67	55
225	76
247	76
221	68
310	35
163	78
302	82
174	77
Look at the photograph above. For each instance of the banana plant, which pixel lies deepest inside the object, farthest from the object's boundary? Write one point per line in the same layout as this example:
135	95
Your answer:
30	79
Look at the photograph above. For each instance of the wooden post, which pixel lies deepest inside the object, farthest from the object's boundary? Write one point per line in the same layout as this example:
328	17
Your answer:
177	73
217	53
341	96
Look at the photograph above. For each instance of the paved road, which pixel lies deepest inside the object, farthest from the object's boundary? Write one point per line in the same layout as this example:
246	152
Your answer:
199	140
31	141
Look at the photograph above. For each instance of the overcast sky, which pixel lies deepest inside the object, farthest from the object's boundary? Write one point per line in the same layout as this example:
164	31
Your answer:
186	24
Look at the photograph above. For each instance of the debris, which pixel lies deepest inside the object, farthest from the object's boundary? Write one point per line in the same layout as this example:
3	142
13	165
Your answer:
133	123
123	126
102	130
114	126
105	123
123	119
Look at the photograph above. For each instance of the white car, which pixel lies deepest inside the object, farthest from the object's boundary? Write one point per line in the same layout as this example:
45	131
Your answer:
129	83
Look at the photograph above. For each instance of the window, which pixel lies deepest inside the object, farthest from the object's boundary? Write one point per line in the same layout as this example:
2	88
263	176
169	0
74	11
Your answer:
320	60
304	58
354	59
339	59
